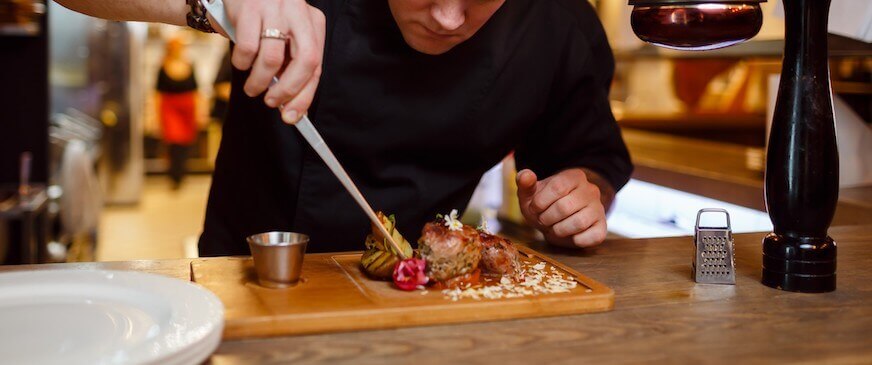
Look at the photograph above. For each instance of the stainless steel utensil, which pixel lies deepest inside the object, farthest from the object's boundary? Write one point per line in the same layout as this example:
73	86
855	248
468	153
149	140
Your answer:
278	257
307	129
713	261
314	138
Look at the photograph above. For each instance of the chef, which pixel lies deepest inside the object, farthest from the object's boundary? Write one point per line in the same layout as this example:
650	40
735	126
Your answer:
417	99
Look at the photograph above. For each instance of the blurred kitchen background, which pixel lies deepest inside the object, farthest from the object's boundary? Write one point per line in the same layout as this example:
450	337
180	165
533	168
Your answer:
91	170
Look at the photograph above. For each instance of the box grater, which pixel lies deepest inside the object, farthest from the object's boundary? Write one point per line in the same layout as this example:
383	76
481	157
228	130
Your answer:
713	260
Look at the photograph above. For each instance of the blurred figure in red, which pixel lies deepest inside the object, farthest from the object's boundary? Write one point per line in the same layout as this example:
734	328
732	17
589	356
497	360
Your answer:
177	104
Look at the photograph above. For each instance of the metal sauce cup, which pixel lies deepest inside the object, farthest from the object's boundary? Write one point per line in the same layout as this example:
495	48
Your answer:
278	257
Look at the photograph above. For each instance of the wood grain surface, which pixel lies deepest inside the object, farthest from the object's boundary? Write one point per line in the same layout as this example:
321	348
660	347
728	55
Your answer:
660	316
177	268
335	296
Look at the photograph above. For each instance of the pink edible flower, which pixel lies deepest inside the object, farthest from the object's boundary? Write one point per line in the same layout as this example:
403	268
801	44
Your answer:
409	274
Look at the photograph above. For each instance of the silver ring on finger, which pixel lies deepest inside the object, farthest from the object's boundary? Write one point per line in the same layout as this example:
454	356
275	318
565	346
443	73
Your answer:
273	33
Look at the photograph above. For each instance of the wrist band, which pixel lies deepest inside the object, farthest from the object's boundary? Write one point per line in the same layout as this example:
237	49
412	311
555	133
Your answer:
197	18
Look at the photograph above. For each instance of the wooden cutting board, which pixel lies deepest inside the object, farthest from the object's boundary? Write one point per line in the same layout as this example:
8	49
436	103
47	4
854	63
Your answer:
335	296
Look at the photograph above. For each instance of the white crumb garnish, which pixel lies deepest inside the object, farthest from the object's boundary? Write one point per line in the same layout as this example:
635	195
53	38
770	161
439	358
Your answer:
531	280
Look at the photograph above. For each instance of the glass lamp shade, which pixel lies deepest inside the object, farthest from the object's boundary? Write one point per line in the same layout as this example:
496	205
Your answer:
694	24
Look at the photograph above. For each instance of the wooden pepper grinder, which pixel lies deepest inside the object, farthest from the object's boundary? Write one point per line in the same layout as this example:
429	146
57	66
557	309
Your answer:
802	166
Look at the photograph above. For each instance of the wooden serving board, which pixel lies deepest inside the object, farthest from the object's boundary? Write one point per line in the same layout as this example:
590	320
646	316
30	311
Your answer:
335	296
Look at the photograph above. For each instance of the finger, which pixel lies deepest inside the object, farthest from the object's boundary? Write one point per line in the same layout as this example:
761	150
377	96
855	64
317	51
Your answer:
563	208
247	39
291	115
294	109
555	188
306	56
526	181
320	21
578	222
593	236
269	59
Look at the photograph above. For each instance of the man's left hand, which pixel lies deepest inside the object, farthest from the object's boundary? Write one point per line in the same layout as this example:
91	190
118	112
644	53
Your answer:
566	207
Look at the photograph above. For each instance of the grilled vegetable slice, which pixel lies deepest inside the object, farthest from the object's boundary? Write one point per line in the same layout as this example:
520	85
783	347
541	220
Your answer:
379	259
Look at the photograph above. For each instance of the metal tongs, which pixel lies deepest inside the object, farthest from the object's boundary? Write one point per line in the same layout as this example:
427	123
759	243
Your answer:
314	138
307	129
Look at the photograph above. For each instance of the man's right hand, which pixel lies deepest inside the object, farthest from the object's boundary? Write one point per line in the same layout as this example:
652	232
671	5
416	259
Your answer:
297	66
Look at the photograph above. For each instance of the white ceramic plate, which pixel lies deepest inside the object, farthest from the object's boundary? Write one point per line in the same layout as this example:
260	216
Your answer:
105	317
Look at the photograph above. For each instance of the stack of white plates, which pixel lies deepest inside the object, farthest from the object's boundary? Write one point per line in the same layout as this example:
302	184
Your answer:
105	317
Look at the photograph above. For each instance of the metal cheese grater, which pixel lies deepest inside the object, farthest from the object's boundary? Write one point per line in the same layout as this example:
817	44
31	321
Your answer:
713	260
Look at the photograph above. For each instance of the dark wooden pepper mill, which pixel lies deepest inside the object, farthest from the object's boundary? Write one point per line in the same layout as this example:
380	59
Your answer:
802	165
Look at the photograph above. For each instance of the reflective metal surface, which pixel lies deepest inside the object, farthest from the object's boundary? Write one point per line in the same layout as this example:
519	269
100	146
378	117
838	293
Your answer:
278	257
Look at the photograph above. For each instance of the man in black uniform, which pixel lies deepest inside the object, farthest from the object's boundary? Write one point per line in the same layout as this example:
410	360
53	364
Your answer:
417	98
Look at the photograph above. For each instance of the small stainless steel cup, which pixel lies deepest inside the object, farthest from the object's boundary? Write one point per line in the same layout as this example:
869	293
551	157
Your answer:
278	257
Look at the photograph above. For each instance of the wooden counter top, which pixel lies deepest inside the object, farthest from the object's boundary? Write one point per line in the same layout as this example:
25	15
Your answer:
176	268
660	315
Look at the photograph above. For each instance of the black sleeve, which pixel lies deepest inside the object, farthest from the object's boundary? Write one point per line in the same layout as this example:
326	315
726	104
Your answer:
577	128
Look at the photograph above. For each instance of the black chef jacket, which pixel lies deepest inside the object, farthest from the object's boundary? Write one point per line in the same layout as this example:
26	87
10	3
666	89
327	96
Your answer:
416	132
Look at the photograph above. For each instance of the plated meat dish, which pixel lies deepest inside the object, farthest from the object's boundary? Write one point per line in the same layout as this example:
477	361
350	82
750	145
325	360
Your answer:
455	254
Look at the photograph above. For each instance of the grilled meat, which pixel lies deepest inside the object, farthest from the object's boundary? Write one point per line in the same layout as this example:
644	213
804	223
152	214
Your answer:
449	253
498	255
